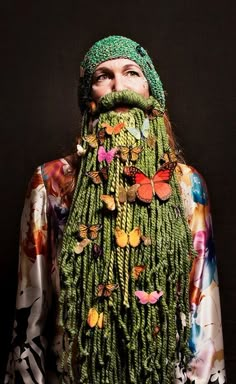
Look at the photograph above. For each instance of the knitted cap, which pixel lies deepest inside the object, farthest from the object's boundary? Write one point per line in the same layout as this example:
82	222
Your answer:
114	47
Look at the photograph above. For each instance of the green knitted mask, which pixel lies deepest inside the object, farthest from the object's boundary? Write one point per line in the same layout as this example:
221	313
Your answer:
114	47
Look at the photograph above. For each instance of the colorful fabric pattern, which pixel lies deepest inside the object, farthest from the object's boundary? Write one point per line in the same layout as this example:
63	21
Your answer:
36	341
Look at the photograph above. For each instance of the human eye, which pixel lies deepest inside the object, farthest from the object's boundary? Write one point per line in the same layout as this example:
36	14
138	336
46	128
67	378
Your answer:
99	77
132	73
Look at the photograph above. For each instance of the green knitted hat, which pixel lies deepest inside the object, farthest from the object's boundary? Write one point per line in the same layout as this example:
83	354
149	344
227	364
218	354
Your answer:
114	47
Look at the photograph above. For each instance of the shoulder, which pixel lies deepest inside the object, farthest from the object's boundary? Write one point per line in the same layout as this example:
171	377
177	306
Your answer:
56	174
192	181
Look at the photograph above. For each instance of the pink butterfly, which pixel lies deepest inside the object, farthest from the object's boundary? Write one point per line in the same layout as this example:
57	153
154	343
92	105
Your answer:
145	297
108	156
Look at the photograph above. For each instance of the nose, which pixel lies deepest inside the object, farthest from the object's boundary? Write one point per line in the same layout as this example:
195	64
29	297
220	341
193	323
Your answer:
118	83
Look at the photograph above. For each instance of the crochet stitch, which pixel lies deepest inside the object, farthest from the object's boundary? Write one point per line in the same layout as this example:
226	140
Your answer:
114	47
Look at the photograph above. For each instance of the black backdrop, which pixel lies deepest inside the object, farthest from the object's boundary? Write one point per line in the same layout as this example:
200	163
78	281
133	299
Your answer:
192	44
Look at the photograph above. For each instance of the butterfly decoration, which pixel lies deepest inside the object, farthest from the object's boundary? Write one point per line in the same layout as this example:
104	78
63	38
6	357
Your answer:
151	141
79	247
129	194
94	318
109	202
113	130
80	150
131	153
96	251
145	298
106	156
140	133
89	231
137	270
95	139
105	290
133	238
156	330
146	240
99	176
158	184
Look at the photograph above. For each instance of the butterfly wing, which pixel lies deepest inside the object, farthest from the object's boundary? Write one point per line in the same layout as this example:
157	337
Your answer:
94	176
145	128
131	193
121	237
104	173
101	136
137	270
122	194
135	237
93	231
134	132
109	202
109	288
79	247
83	231
124	153
110	155
142	296
134	153
161	180
117	128
154	296
91	140
101	154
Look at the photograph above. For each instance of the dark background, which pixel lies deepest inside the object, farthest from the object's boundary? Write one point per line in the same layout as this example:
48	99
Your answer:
192	44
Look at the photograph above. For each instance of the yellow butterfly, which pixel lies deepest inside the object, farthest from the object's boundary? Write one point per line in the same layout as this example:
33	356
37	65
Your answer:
130	153
89	231
109	202
123	239
94	318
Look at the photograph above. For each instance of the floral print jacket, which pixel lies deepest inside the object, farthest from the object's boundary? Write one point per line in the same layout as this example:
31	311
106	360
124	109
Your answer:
34	349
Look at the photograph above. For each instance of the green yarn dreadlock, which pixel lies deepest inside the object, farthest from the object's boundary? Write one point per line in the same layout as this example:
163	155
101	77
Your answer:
109	336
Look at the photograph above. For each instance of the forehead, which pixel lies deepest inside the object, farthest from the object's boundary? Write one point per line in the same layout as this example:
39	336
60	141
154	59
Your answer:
117	63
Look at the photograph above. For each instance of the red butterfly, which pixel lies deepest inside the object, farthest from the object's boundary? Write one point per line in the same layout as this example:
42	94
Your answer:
158	184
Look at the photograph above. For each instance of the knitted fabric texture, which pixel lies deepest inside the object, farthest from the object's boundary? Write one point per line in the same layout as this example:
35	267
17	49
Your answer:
117	247
114	47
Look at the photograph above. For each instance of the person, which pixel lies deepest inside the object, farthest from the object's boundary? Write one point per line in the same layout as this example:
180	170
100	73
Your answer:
117	269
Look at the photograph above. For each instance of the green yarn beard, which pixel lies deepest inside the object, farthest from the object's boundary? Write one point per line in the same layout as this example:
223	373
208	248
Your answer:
135	343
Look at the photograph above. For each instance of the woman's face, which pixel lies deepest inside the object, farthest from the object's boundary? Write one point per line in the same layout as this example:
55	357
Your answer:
118	75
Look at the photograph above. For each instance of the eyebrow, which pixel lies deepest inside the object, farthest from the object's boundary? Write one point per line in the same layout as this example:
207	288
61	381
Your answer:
126	66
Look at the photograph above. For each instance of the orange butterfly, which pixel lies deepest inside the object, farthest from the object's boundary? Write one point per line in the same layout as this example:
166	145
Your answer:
95	139
109	202
106	289
98	176
130	152
137	270
113	130
89	231
123	239
158	184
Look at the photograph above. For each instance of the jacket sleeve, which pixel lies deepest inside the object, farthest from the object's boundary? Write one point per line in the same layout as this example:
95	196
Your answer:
206	340
27	356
